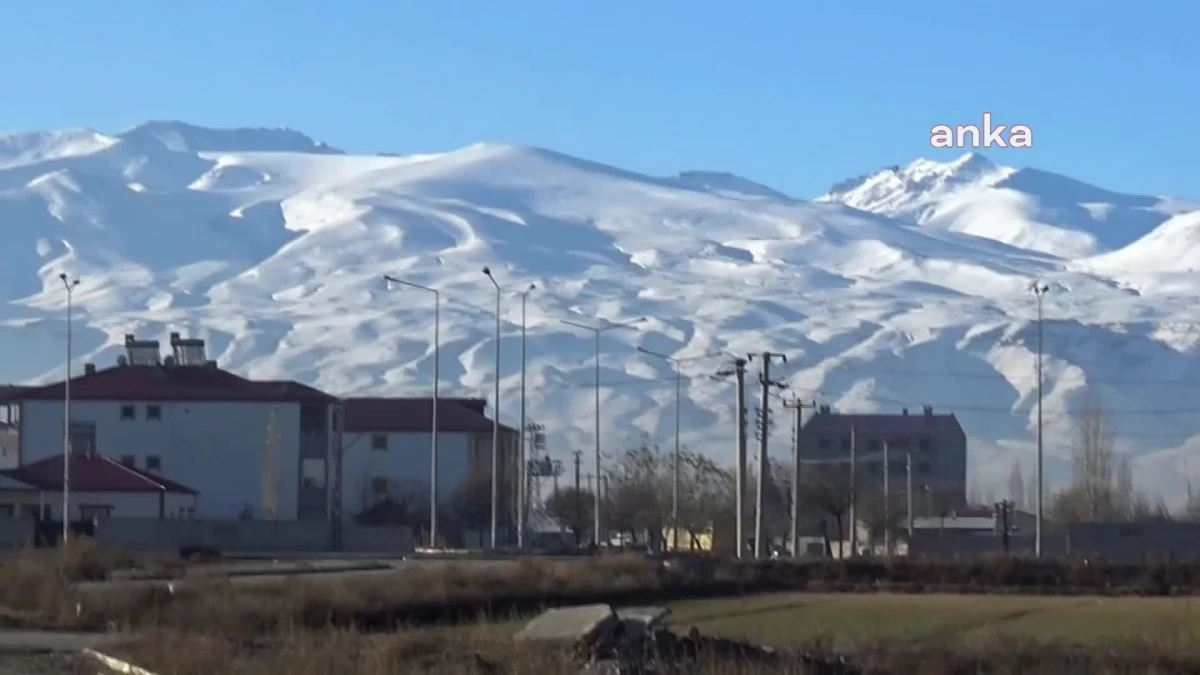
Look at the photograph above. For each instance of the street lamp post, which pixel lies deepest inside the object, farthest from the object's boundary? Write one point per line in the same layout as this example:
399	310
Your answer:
522	477
495	420
433	449
676	363
70	285
597	330
1039	290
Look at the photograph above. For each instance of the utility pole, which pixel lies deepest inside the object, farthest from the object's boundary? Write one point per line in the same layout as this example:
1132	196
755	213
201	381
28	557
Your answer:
522	466
71	285
765	381
433	434
797	428
676	363
596	330
495	422
908	493
853	493
578	500
737	368
1039	290
887	501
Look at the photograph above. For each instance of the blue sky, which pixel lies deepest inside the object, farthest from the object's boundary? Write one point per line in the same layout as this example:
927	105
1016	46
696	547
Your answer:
796	95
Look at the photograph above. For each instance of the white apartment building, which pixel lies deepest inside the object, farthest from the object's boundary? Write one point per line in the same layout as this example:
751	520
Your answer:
248	448
387	449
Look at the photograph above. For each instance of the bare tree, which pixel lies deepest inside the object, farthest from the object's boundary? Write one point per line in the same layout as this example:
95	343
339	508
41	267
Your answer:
472	500
1092	461
573	509
638	494
1016	485
706	496
827	489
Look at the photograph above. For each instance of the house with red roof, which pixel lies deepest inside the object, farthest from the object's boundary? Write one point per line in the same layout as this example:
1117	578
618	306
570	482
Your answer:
222	446
100	488
387	450
258	448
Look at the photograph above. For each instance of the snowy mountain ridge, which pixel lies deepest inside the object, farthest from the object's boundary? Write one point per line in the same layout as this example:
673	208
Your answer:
902	288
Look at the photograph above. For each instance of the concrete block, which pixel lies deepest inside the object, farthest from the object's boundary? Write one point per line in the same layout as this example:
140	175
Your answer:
585	626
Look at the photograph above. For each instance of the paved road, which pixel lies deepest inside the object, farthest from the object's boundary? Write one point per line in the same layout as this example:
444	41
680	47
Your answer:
24	641
46	664
323	571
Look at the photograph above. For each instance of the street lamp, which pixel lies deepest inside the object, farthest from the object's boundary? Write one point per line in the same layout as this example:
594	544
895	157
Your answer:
676	362
70	285
521	467
1039	290
433	449
597	330
495	418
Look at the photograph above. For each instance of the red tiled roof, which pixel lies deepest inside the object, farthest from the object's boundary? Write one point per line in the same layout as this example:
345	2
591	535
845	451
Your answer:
174	383
10	391
398	415
93	473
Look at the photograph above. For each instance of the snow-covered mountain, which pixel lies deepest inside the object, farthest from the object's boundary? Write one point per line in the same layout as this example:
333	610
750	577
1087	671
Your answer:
911	291
1029	208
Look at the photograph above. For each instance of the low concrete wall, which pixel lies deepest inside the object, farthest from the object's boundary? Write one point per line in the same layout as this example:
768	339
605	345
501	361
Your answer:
975	545
16	532
247	535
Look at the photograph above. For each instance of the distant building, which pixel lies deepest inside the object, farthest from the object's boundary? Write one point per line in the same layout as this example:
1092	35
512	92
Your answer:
257	449
935	441
386	449
981	520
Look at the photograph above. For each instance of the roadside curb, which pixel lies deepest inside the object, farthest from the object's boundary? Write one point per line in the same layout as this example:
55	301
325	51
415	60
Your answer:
115	664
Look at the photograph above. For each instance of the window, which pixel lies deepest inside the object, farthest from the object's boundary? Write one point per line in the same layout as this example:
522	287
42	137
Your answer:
379	442
127	412
379	485
312	472
924	444
824	443
90	511
129	461
32	511
154	412
83	438
6	510
153	463
846	443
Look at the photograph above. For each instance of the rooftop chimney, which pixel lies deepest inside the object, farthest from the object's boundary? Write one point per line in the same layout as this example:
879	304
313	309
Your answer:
89	369
188	351
141	352
904	411
929	411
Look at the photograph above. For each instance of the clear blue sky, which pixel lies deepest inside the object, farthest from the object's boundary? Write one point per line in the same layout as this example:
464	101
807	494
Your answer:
793	94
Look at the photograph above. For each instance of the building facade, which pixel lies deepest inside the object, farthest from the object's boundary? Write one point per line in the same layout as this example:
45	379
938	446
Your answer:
250	448
935	442
387	450
245	449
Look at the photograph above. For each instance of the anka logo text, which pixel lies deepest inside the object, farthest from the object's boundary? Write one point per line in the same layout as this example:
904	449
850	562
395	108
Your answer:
971	135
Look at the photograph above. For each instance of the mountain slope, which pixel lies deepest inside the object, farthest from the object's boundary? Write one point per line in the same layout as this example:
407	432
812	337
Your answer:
1030	208
272	246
